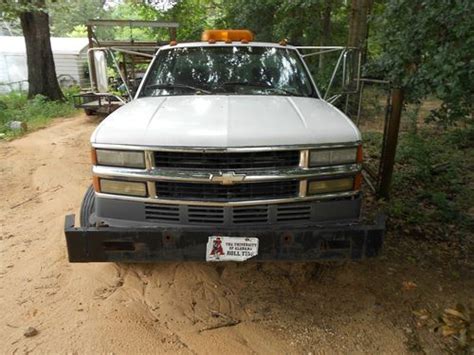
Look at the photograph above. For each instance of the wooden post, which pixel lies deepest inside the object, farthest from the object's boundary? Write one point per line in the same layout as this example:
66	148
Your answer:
390	141
172	31
93	73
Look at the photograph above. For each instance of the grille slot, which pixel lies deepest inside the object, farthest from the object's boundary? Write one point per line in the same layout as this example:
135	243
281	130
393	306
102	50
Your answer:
227	161
206	215
256	214
260	214
164	213
216	192
294	212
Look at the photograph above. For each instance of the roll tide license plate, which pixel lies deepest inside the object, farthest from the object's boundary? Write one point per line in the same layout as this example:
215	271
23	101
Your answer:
220	248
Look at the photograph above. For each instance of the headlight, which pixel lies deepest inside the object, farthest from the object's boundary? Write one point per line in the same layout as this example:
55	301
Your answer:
129	159
329	186
119	187
333	156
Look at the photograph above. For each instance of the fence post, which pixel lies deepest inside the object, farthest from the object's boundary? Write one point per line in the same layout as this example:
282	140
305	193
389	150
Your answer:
93	74
172	31
389	148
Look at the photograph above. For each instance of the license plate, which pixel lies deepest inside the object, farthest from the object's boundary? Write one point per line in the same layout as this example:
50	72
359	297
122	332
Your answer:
221	248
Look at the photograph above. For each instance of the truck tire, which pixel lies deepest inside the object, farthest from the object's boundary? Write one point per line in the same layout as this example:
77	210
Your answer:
87	207
89	112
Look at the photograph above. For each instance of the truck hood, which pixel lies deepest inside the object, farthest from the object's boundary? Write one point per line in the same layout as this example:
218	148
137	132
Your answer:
225	121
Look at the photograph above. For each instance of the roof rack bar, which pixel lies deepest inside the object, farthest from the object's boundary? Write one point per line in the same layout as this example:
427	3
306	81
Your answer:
324	47
128	43
320	52
132	52
132	23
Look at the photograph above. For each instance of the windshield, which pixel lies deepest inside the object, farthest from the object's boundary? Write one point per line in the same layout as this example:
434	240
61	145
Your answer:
243	70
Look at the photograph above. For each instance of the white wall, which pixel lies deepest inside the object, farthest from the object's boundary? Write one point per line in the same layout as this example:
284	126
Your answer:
13	64
13	69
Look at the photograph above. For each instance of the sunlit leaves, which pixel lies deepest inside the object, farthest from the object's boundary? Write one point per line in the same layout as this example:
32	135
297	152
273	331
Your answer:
428	47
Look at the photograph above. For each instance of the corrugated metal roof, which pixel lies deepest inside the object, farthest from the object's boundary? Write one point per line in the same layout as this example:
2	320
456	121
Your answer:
59	45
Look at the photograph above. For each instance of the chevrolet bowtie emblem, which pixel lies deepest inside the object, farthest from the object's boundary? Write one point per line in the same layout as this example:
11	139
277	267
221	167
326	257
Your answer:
229	178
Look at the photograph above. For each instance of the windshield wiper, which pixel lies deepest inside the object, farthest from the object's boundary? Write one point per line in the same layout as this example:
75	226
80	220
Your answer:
257	84
177	86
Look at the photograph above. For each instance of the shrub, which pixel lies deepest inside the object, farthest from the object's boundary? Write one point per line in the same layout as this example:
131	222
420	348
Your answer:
432	180
36	112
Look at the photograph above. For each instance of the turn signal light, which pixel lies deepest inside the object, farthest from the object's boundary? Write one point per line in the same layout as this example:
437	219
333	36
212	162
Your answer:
227	36
360	154
317	187
358	181
96	183
120	187
93	156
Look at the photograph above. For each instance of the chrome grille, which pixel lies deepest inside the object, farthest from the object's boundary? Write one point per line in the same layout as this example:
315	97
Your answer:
216	192
227	161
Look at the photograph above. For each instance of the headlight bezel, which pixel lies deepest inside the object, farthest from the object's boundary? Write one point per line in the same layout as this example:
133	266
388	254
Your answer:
119	158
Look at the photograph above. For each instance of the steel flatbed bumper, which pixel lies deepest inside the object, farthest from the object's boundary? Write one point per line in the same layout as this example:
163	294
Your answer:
108	244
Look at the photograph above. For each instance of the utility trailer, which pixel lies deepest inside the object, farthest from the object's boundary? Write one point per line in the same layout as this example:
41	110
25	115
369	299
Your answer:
128	59
97	103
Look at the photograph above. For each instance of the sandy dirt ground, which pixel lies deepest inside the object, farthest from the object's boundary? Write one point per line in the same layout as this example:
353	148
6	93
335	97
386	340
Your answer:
270	308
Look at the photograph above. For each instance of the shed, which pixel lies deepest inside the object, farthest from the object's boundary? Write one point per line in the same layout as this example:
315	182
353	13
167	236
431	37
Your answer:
70	59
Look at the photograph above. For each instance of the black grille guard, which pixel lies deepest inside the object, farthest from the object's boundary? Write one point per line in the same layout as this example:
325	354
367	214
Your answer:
308	243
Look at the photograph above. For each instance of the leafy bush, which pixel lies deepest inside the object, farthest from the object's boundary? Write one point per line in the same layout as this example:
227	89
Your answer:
427	49
432	181
35	113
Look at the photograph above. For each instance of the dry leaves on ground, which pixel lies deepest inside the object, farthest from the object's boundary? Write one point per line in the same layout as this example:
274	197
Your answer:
408	285
454	325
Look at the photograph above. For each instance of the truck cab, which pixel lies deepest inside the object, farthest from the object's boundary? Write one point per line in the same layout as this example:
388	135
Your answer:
227	153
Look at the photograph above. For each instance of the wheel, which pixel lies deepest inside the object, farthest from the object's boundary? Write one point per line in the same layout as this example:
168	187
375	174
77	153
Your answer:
87	207
89	112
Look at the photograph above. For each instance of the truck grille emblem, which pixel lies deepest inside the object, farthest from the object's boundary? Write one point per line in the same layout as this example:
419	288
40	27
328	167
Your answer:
229	178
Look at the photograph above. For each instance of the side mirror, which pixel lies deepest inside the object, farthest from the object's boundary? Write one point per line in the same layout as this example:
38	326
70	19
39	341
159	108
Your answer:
100	64
351	70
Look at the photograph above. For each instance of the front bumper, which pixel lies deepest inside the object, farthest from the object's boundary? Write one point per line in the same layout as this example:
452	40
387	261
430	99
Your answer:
299	243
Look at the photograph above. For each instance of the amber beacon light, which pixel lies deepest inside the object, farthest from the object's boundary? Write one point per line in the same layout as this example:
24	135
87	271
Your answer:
227	35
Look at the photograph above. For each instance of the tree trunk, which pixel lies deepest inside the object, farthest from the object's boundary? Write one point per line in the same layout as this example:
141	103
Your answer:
41	69
359	26
354	23
325	35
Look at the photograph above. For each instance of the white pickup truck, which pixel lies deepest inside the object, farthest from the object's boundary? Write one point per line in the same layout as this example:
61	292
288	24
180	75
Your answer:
227	152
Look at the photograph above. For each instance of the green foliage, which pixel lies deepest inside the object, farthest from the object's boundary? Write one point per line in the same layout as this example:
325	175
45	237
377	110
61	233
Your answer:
432	178
299	21
131	10
79	31
428	48
66	15
194	16
9	9
35	113
257	16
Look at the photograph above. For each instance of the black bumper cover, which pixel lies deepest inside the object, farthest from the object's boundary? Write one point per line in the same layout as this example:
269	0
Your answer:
107	244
